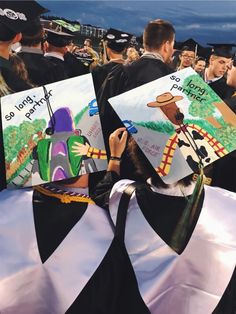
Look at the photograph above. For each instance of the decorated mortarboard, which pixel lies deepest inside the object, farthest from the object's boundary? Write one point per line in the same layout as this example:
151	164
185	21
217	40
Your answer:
222	50
58	38
117	40
51	133
16	15
179	122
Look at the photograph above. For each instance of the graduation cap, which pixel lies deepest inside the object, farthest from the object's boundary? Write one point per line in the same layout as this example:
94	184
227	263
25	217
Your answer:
58	38
117	40
222	50
189	45
15	16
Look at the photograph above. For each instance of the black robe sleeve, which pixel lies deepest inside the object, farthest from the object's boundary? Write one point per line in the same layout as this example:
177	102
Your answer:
101	192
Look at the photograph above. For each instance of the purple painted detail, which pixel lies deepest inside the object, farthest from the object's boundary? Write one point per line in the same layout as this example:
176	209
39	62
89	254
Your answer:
59	174
59	148
63	120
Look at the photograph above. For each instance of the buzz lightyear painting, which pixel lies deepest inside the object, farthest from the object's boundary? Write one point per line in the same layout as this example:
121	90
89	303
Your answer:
43	129
58	156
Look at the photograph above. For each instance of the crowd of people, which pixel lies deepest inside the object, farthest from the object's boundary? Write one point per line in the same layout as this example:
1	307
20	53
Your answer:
123	242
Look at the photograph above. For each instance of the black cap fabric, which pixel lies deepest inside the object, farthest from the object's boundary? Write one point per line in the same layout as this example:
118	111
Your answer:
58	39
189	44
222	50
117	40
15	16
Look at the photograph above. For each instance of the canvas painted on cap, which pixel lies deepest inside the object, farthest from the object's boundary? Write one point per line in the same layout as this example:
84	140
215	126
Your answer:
179	122
52	133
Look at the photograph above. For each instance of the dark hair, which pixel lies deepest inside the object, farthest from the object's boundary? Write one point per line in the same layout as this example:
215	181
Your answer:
33	40
187	48
200	59
157	33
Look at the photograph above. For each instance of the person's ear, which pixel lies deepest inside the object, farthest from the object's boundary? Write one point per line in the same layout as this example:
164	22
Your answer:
211	60
17	38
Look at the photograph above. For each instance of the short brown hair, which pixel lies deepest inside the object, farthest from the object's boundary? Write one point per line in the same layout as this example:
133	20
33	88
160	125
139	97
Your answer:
156	33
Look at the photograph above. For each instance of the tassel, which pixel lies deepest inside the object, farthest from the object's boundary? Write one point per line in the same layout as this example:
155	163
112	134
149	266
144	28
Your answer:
181	232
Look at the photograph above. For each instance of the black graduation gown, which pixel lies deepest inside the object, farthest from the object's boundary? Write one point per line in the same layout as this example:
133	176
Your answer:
100	73
113	287
74	66
122	79
40	69
163	219
231	102
62	66
221	88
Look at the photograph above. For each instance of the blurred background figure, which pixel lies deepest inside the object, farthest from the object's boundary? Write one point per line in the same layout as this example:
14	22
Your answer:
114	46
214	74
199	65
58	53
19	68
40	70
132	55
186	57
231	81
88	52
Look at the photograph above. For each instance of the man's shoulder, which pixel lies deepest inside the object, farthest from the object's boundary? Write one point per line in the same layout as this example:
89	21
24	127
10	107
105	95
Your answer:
148	64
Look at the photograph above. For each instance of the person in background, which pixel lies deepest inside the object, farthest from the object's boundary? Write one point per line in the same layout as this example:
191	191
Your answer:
132	55
92	53
158	42
41	70
10	33
19	68
186	57
88	47
223	171
199	65
115	44
214	74
57	50
231	81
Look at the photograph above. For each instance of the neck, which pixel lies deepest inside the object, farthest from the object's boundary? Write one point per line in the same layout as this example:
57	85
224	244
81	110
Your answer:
5	52
209	74
115	56
153	54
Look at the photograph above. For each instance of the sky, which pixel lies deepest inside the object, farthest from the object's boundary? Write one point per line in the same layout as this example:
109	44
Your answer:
205	21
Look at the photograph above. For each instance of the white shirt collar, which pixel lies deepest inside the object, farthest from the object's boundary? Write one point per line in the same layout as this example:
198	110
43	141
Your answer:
54	54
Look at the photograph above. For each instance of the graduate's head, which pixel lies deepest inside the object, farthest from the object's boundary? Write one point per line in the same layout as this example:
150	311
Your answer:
15	16
220	58
159	35
116	41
